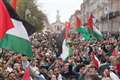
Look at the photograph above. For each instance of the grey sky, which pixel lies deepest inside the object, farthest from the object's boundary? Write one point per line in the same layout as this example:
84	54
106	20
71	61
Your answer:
66	8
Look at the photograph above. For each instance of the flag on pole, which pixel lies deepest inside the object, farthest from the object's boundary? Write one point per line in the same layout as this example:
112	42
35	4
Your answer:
94	32
81	29
84	33
96	61
16	38
78	23
67	29
90	22
65	46
65	50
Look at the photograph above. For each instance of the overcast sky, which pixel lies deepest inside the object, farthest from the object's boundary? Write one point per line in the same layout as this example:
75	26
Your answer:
66	8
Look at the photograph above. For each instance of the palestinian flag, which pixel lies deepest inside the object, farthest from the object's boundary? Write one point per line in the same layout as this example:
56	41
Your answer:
78	23
5	21
67	29
94	32
81	29
30	29
96	61
66	50
16	38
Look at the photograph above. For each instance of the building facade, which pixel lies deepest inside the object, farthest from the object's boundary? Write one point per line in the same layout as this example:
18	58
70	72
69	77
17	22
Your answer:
57	26
106	12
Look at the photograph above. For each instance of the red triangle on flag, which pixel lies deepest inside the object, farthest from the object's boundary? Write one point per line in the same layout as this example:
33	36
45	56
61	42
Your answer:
68	26
90	22
67	29
96	61
5	21
78	23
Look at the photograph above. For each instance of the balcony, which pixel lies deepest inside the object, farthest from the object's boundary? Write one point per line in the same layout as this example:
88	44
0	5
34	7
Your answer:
110	15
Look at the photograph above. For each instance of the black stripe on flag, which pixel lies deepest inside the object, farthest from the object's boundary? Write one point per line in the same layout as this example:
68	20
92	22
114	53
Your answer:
29	27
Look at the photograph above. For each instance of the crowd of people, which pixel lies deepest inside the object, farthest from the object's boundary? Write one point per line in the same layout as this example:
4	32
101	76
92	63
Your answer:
79	65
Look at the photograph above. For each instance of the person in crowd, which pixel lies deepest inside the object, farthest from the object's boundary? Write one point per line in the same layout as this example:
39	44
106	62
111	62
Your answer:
79	65
12	76
57	74
92	77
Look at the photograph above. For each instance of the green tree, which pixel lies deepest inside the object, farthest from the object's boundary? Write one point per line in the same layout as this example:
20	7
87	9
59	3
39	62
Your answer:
28	10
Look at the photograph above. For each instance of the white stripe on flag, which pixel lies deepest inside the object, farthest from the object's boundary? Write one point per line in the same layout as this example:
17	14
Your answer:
18	30
65	50
97	31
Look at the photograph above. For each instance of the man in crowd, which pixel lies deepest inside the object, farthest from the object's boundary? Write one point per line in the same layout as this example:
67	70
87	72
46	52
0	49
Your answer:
79	65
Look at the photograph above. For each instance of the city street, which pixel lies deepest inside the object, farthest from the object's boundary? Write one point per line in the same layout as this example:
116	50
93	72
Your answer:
59	39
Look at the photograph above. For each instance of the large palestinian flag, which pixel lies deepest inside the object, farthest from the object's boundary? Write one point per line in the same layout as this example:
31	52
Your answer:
16	38
81	29
94	32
